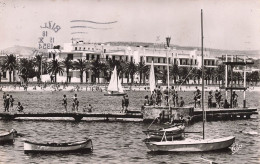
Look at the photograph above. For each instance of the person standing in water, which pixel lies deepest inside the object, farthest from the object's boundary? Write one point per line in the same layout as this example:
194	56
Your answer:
11	100
65	102
7	103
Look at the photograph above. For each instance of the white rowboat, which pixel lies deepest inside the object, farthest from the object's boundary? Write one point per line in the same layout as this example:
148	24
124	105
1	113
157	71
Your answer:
81	146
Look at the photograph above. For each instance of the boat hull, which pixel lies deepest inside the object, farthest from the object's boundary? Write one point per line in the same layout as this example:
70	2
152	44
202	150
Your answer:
83	146
7	137
187	145
171	133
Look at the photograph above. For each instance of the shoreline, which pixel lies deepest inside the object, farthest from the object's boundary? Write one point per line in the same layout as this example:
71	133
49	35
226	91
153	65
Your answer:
103	88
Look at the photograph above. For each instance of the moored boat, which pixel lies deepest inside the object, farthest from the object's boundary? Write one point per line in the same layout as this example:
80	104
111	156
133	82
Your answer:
81	146
7	137
173	132
190	145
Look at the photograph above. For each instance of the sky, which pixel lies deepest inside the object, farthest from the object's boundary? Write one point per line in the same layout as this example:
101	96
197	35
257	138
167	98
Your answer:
227	24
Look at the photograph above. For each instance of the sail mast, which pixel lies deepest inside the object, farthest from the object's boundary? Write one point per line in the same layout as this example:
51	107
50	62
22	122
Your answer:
202	68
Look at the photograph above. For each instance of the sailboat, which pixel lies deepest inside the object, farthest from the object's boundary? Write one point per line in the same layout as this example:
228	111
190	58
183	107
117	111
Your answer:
115	88
193	145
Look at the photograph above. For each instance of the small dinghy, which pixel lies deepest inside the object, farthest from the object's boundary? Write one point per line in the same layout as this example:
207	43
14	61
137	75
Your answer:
173	132
81	146
7	137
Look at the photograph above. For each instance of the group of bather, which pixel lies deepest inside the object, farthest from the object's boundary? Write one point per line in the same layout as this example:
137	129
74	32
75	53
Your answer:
158	96
9	103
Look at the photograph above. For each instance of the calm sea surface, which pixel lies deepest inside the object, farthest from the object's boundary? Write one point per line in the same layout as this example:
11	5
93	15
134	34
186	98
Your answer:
119	142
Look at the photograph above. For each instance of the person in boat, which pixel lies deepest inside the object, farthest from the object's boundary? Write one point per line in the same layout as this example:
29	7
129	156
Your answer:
182	102
234	99
210	97
19	107
11	100
65	102
226	104
166	95
153	98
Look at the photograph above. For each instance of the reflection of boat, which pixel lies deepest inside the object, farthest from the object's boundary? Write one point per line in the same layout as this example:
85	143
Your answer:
115	88
7	137
82	146
173	132
192	145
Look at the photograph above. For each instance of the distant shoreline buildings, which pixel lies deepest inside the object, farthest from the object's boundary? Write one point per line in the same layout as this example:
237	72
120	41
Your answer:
103	52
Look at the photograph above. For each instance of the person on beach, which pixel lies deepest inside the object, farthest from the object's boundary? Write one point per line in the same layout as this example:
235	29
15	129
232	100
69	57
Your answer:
158	96
182	102
65	102
166	95
126	103
234	99
176	98
77	105
226	104
4	97
19	107
11	100
7	100
210	97
218	98
198	97
146	100
90	108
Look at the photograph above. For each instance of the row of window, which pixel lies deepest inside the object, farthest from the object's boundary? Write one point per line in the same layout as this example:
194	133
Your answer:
84	48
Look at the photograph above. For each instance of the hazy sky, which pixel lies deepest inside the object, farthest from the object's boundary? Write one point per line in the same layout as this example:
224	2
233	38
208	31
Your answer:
228	24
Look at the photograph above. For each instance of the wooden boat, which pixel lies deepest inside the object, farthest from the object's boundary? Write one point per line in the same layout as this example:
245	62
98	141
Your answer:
7	137
115	88
173	132
81	146
192	145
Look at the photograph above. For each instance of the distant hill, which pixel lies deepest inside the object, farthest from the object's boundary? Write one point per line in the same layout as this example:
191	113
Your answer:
21	50
28	51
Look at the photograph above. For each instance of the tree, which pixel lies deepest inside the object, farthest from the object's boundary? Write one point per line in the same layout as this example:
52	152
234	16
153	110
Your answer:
131	68
209	74
54	68
96	68
220	73
184	73
142	69
67	64
10	65
38	65
26	69
174	72
80	65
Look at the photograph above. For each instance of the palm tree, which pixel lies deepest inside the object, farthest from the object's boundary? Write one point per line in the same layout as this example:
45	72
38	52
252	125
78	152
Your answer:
174	71
131	68
38	65
80	65
96	68
164	76
220	73
142	68
10	65
209	73
54	68
67	64
87	69
184	73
